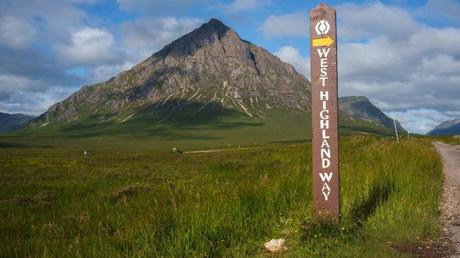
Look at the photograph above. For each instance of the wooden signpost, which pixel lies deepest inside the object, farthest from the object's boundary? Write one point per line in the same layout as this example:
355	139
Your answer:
325	142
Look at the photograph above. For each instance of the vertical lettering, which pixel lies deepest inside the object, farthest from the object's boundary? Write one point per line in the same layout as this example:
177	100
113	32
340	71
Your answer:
323	52
324	95
323	49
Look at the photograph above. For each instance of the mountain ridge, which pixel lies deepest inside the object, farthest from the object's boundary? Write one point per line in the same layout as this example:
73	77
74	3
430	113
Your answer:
361	107
450	127
11	122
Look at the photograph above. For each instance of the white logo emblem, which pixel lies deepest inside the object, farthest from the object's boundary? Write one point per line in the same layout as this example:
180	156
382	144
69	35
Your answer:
322	27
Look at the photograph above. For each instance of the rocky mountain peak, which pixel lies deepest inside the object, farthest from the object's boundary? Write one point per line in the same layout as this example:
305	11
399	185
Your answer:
210	66
362	108
213	30
214	25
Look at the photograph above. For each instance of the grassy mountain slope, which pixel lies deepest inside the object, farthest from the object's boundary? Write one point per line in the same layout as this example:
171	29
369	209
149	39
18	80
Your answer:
11	122
211	127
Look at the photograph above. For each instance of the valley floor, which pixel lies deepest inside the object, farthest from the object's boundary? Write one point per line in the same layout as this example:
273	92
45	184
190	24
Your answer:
132	202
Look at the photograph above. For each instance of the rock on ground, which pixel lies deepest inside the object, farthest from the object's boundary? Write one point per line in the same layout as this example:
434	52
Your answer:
275	245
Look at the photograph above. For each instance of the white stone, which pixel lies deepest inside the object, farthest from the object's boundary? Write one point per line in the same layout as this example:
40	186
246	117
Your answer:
275	245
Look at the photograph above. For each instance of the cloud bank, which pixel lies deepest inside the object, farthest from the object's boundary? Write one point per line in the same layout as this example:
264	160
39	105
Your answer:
408	68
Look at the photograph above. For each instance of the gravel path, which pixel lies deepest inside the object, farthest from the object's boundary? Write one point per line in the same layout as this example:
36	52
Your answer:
451	197
220	150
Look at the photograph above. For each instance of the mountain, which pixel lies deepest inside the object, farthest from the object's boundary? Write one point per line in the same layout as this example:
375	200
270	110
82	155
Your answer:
207	85
211	66
451	127
11	122
360	107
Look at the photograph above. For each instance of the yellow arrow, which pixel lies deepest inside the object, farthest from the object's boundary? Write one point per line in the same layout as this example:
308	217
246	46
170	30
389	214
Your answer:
321	42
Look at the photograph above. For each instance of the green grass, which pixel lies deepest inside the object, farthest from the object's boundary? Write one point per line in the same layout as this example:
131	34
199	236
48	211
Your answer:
130	200
213	127
447	139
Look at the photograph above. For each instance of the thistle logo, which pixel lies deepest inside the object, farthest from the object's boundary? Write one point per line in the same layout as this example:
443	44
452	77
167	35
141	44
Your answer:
322	27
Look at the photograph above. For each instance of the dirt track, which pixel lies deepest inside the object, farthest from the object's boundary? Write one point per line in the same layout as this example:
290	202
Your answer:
451	197
220	150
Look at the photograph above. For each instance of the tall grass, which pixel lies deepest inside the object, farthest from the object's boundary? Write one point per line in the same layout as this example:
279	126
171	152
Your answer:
455	140
226	204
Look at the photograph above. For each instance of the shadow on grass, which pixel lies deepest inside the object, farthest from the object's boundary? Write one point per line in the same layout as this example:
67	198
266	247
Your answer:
173	119
22	145
291	141
345	129
379	193
13	145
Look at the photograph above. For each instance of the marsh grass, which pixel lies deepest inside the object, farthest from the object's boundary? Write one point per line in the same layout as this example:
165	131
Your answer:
141	203
455	140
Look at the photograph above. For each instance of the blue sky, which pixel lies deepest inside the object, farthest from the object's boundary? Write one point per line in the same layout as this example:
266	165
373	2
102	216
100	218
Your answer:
403	55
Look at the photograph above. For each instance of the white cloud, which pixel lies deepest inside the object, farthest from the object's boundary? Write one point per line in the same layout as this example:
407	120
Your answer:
52	18
88	46
145	36
156	7
104	72
292	56
15	32
444	9
441	64
373	19
35	102
410	74
414	75
420	120
288	25
10	83
442	40
32	78
79	44
455	113
377	58
238	6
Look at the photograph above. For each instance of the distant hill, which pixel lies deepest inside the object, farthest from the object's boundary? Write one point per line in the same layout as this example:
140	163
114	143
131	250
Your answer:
451	127
362	108
207	85
11	122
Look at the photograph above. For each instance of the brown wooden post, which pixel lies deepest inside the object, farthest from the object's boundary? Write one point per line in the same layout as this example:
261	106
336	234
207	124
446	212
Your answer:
325	135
